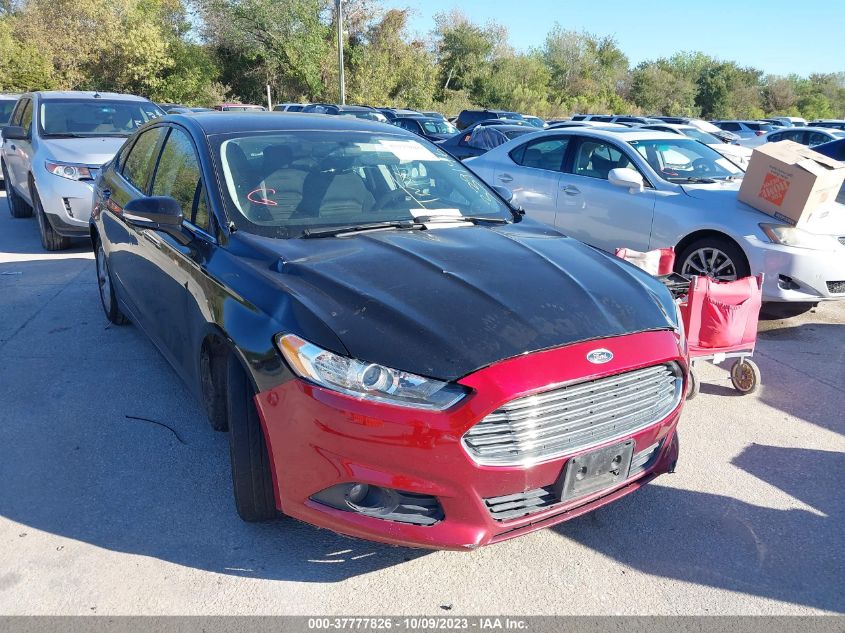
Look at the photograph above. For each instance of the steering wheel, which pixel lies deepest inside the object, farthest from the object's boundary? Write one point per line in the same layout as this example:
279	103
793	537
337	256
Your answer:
397	195
702	165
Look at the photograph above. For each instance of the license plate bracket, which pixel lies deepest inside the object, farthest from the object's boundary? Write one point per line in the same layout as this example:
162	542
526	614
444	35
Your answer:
594	471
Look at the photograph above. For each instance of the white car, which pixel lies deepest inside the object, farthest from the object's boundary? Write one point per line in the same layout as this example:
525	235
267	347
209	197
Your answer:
646	190
810	136
737	153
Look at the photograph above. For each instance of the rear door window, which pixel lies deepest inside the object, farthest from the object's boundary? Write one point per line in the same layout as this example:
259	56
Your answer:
141	160
545	153
817	138
729	126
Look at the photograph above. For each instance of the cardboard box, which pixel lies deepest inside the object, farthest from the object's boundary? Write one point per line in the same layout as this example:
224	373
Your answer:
789	181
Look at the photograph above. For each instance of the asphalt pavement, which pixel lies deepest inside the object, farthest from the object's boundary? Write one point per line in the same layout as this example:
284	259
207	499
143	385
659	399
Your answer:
115	495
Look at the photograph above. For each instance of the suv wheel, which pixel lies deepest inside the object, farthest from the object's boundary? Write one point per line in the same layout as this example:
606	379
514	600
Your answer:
18	207
50	240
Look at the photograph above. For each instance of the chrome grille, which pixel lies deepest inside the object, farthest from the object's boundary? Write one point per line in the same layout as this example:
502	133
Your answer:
574	417
521	504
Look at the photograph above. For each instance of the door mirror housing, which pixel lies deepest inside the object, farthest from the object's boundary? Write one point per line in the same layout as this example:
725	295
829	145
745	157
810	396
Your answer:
160	213
15	133
627	178
506	193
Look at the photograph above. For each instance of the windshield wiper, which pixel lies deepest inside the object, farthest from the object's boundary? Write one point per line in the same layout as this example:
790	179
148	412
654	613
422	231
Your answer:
65	135
696	180
357	228
475	219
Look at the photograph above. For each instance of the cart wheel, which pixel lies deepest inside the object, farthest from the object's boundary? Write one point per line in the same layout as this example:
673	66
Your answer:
693	385
745	375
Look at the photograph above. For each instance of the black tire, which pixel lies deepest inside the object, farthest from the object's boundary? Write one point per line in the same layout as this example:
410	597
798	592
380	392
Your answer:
251	477
18	208
50	240
693	386
106	287
745	376
688	261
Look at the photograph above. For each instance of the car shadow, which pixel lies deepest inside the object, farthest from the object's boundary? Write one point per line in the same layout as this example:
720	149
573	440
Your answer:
725	543
100	442
803	372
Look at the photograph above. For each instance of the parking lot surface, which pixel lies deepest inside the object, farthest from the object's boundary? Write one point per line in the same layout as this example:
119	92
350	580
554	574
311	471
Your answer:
115	496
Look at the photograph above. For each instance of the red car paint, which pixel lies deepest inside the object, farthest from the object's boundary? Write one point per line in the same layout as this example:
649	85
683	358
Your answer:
318	438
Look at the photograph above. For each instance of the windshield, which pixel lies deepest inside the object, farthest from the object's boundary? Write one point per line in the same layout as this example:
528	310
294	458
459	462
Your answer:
701	137
6	108
282	183
438	127
686	160
89	118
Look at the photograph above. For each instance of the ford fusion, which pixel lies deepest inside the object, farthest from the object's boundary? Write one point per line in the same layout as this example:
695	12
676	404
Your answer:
395	352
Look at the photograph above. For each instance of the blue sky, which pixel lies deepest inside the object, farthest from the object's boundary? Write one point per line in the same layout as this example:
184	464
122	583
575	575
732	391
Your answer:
777	36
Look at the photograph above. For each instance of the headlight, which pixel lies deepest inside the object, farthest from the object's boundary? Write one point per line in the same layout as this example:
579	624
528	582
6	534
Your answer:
68	170
792	236
367	381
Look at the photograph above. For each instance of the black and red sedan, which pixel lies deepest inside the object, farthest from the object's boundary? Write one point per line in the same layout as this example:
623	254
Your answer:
395	352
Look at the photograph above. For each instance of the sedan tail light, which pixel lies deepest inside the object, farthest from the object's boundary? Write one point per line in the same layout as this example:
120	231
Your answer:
759	132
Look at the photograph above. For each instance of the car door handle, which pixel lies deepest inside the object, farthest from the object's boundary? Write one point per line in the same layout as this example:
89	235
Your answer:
570	190
505	177
12	147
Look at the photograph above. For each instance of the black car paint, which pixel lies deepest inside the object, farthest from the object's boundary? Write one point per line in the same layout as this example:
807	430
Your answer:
440	303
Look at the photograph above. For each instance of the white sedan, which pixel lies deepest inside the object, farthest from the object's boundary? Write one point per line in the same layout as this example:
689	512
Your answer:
646	190
737	153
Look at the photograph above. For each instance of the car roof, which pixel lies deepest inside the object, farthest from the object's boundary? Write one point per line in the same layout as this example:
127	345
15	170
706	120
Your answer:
805	128
210	123
419	118
49	95
626	134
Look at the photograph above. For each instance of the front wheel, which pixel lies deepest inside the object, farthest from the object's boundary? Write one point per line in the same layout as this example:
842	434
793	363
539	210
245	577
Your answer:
50	240
251	477
745	376
104	282
713	257
18	208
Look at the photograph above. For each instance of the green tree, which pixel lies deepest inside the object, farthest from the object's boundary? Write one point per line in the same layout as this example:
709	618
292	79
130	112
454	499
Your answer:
463	49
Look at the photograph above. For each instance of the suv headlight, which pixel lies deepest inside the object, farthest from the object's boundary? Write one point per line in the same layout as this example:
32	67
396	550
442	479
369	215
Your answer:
793	236
367	381
68	170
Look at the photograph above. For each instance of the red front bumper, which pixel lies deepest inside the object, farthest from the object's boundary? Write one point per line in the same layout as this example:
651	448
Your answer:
318	438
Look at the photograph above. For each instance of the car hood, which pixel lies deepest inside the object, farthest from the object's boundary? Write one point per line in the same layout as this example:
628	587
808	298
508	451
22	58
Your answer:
733	150
83	151
446	302
830	220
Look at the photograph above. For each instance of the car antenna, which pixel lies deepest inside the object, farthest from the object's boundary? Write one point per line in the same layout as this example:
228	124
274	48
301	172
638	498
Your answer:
97	95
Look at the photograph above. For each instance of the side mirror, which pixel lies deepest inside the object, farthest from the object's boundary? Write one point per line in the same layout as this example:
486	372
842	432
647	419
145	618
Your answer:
627	178
506	193
15	133
160	213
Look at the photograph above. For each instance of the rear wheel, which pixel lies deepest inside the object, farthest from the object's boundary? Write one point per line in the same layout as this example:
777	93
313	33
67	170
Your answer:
713	257
18	207
50	240
104	281
251	477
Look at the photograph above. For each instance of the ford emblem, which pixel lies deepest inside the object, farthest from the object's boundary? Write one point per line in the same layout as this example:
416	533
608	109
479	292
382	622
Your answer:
600	356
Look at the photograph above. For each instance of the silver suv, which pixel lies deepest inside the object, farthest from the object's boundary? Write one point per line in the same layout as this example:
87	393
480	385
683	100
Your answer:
53	147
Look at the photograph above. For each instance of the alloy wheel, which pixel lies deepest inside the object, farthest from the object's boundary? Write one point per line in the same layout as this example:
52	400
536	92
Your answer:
710	262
